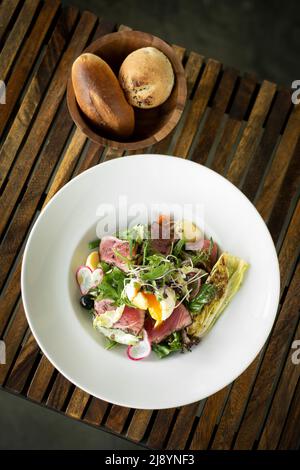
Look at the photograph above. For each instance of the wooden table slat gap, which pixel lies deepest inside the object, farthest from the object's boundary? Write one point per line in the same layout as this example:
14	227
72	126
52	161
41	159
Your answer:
282	400
37	89
251	382
265	151
77	403
25	65
199	76
17	36
13	338
68	147
252	101
289	439
201	126
255	192
250	138
94	407
275	387
192	432
81	158
42	381
62	155
12	287
9	238
286	120
269	374
28	359
251	372
40	129
9	11
280	162
139	424
287	222
160	426
288	192
27	189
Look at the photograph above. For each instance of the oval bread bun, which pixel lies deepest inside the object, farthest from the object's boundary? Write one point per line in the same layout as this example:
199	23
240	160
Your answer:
100	97
147	77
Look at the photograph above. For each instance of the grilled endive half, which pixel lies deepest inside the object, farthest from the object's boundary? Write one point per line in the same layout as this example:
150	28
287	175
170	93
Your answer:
227	276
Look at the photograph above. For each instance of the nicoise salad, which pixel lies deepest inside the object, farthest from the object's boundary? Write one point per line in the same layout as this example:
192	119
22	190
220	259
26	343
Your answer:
158	287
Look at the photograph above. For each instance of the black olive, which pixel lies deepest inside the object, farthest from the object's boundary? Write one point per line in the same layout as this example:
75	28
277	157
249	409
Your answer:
87	301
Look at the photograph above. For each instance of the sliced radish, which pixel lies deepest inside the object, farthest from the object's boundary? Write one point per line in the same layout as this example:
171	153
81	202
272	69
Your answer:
140	350
87	279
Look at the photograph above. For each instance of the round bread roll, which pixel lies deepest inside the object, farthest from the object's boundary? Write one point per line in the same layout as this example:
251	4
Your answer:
100	97
147	77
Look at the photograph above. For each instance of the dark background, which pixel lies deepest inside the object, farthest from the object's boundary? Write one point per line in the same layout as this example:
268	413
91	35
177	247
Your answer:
261	36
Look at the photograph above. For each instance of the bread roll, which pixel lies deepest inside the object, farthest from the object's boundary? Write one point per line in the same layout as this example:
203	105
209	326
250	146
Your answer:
147	77
100	97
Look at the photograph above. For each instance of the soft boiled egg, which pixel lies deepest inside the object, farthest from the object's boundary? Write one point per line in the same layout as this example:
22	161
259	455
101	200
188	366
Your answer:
131	289
162	304
93	260
135	296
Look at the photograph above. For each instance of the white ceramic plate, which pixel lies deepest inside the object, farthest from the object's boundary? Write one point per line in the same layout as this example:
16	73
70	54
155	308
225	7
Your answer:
57	245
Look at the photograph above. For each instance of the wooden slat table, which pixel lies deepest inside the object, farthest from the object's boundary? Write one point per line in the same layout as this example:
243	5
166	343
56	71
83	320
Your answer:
243	129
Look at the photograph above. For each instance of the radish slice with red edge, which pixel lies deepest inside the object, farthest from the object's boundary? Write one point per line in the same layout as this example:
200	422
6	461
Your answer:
87	279
140	350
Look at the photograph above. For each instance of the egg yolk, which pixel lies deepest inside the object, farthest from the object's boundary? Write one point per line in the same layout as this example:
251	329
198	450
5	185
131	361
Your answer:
154	307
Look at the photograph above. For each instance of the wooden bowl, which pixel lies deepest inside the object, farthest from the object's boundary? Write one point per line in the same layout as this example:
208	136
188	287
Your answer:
151	125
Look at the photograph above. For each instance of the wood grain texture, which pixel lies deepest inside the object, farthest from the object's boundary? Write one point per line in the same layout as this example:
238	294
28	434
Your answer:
16	37
13	338
234	408
290	437
280	406
95	411
59	392
288	192
9	297
92	158
270	368
68	163
192	70
214	119
290	248
41	380
266	146
233	124
40	176
280	163
48	158
117	418
23	365
160	428
182	427
35	91
251	134
7	11
198	107
26	59
138	425
44	119
208	420
77	403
